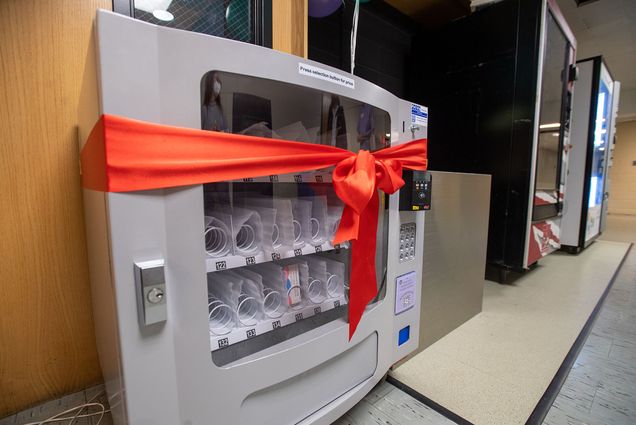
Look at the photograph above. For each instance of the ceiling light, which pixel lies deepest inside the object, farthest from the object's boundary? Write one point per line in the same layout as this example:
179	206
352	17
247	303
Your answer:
150	6
163	15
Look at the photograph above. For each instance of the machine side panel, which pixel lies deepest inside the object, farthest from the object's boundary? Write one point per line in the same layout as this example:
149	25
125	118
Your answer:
578	153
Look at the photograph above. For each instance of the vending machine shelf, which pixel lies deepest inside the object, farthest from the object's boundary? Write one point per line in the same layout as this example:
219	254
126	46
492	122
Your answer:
318	176
233	261
240	334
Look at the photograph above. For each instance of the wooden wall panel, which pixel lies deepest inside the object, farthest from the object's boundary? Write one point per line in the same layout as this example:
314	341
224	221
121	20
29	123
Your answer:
622	198
47	345
289	26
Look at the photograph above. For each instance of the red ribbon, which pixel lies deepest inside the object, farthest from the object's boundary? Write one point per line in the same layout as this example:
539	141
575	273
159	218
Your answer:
123	155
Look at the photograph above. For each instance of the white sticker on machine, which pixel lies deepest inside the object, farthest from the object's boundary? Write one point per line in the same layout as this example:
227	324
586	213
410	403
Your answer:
405	287
419	115
326	75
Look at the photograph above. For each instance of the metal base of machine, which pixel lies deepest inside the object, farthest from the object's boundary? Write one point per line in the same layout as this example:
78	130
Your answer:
504	275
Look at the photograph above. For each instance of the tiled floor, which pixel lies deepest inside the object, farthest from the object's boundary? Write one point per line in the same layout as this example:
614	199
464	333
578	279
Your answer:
388	405
601	387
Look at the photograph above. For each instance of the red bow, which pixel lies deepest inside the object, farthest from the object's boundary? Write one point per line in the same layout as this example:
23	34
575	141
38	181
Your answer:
123	155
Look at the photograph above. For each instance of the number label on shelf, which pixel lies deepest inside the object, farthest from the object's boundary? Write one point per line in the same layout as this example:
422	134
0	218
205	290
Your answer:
250	333
317	310
250	260
318	179
273	178
318	248
298	178
298	252
275	256
248	179
224	342
336	304
299	316
276	324
221	265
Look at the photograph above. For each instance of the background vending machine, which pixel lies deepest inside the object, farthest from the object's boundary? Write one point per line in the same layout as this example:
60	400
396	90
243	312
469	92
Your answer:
501	90
226	303
593	128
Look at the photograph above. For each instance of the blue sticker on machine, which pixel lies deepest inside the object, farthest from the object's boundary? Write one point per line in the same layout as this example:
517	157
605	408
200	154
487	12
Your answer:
419	115
404	335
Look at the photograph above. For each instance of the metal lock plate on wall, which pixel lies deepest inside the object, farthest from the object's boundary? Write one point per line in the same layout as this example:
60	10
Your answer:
150	283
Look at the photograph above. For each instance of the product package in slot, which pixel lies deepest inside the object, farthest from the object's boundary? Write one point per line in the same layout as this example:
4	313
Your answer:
282	228
319	219
284	279
317	279
301	210
218	234
334	214
221	306
270	230
312	289
274	302
335	277
240	294
247	231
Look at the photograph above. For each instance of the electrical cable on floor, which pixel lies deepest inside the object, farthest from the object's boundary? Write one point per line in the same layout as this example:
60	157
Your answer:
59	417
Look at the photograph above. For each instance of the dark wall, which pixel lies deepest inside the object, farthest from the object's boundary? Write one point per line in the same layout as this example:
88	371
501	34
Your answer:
478	76
384	42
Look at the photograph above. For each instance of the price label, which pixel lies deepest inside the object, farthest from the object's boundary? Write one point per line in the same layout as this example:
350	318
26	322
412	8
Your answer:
221	265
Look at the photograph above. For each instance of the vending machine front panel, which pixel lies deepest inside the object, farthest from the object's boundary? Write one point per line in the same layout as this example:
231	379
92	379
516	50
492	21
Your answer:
226	302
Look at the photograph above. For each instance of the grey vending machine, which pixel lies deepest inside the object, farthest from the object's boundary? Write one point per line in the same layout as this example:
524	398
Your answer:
592	142
226	302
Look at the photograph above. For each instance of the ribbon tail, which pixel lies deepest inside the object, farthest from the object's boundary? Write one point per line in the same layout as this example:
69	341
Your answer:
362	286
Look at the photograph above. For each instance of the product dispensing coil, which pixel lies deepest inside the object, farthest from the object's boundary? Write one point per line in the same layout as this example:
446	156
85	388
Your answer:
415	195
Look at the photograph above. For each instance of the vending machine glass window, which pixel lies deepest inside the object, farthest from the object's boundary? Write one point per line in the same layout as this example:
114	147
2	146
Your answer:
237	20
551	122
273	272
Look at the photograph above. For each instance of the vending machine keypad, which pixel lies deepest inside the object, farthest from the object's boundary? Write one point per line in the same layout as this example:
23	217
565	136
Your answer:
407	242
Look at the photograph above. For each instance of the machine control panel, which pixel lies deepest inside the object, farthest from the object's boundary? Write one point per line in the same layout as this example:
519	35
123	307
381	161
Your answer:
407	242
415	195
